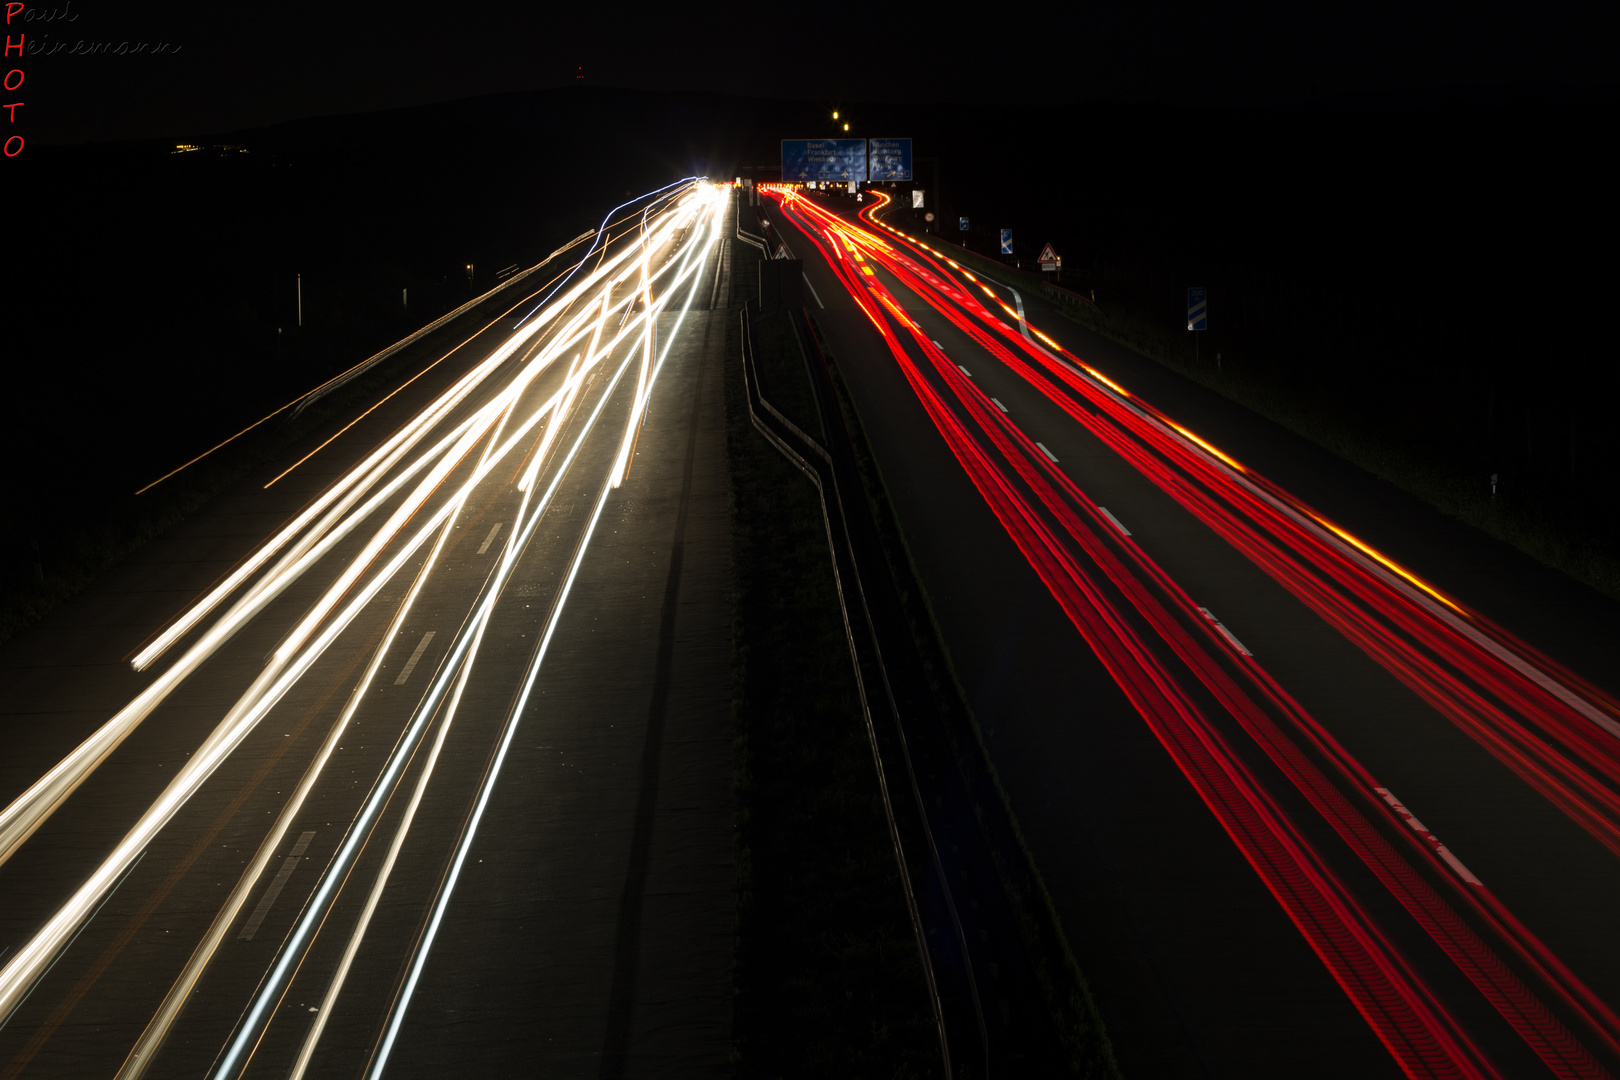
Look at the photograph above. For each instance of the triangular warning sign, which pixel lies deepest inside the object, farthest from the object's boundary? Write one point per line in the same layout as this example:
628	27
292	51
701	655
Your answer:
1048	255
782	252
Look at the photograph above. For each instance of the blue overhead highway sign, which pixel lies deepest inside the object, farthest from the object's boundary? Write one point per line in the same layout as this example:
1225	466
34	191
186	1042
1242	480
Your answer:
890	159
842	160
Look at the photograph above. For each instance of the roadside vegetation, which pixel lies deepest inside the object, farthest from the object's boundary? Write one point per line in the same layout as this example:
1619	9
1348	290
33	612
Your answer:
1549	520
828	979
84	538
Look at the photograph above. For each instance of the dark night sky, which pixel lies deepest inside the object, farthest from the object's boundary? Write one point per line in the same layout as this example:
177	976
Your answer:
248	64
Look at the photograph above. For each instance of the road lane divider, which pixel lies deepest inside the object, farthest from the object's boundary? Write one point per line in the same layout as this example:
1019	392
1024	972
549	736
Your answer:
1114	521
283	876
410	665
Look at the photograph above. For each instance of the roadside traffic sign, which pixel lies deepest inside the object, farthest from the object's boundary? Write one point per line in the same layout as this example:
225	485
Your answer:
916	199
1197	309
928	216
1049	259
1006	242
961	223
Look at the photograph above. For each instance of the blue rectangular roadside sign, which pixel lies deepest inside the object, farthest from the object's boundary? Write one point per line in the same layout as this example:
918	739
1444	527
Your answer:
838	160
961	223
1006	242
888	159
1197	309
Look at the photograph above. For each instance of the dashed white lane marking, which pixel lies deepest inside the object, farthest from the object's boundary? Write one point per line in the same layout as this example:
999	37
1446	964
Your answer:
998	405
937	345
490	539
288	865
1049	455
410	665
1225	633
1115	520
815	294
964	371
1434	841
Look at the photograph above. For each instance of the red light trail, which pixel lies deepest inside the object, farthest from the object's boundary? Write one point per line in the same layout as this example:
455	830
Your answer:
1552	728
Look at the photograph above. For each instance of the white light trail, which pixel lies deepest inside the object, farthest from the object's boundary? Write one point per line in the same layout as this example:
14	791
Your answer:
322	625
462	659
425	946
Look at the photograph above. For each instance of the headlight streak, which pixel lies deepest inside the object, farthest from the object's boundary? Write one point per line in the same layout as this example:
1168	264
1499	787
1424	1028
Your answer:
293	950
651	195
1544	1033
425	945
26	813
310	396
274	985
141	1055
485	609
25	967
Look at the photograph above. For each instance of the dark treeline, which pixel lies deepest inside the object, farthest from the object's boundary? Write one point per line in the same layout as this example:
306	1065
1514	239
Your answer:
1440	276
150	297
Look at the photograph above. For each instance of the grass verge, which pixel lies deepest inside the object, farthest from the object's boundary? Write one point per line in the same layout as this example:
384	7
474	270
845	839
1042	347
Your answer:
828	980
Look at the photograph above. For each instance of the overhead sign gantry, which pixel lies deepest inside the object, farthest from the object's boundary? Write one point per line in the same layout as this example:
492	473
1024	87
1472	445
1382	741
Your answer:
840	160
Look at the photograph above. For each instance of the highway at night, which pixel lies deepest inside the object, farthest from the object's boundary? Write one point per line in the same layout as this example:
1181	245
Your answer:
1345	808
294	847
548	699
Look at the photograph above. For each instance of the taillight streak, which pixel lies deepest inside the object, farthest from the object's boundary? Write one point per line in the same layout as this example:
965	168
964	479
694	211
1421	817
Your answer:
1382	985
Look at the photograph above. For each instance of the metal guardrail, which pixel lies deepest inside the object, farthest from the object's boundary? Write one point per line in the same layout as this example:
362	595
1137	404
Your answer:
1056	292
819	465
748	237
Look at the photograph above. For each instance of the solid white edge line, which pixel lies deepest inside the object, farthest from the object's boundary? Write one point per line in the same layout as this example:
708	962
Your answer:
813	292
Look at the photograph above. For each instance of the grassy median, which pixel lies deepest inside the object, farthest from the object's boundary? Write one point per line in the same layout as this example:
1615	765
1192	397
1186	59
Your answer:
828	979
